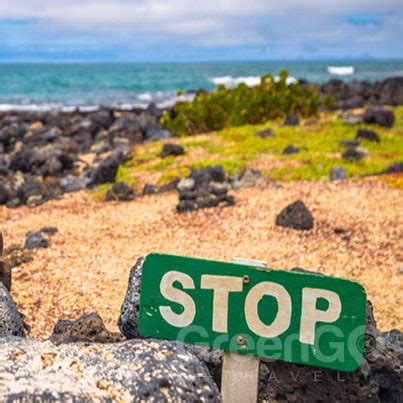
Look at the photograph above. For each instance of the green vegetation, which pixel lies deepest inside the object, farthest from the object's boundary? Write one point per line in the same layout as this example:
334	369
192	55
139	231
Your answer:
101	191
124	174
242	105
239	147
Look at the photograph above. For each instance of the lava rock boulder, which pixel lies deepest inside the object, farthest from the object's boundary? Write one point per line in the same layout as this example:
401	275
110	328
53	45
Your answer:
11	321
88	328
23	160
379	378
204	188
106	171
39	239
353	154
394	168
135	370
337	173
212	173
370	135
265	133
379	116
296	216
249	178
34	240
5	269
349	143
290	149
291	120
4	194
131	304
120	191
158	134
72	183
171	149
150	189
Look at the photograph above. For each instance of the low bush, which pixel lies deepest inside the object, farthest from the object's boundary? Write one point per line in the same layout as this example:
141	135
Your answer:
271	99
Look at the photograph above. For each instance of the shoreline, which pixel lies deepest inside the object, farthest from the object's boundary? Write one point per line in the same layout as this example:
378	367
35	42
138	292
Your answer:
354	94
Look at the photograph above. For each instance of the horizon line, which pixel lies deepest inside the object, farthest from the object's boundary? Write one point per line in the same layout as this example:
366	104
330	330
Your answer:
279	60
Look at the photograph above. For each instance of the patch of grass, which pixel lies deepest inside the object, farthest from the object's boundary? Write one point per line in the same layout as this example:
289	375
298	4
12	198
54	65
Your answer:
238	147
169	175
101	191
162	164
194	142
145	154
399	118
125	174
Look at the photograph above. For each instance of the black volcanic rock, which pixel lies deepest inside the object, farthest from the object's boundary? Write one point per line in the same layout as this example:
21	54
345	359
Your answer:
352	154
379	378
23	160
350	143
5	269
40	153
106	170
366	134
379	116
290	149
4	194
265	133
129	310
337	173
363	93
204	188
35	240
88	328
296	216
213	173
291	120
169	149
120	191
394	168
11	321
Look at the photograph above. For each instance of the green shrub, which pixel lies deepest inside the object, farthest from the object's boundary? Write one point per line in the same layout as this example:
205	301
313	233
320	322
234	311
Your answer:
242	105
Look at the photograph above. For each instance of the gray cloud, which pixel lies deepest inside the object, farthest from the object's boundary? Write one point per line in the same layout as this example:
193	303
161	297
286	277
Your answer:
284	27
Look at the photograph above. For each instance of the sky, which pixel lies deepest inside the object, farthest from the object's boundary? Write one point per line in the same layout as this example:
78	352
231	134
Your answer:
199	30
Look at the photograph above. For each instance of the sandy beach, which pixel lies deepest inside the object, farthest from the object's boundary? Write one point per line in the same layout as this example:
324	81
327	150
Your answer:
87	264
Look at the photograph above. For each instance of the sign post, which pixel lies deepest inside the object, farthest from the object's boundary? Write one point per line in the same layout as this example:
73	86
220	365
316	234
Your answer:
240	373
240	378
251	311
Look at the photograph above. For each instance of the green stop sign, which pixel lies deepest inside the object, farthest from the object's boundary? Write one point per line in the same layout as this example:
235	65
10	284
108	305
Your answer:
296	317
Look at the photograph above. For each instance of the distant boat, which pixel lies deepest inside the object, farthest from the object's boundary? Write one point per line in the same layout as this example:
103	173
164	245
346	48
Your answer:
340	70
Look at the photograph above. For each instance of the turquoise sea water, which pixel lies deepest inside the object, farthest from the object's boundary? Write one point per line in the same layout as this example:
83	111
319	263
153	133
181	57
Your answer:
36	86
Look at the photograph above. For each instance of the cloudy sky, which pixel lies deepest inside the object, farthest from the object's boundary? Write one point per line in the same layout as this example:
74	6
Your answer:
169	30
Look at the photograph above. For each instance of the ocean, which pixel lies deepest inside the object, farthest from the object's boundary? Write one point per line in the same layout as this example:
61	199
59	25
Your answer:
127	85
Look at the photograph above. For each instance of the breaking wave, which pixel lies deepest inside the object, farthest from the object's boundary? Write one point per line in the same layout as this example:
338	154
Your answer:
250	81
340	70
137	101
